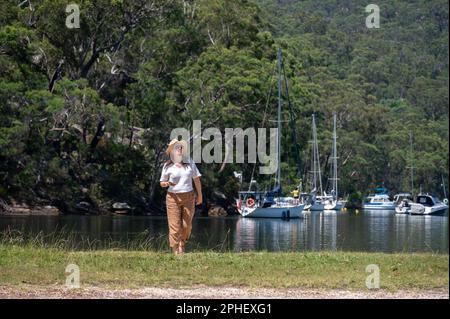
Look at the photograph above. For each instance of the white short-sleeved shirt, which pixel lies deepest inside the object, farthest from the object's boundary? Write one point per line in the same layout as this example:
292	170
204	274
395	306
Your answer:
182	176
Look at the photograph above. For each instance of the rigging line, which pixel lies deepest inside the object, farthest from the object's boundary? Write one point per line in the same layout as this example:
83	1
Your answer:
264	118
279	117
292	122
412	162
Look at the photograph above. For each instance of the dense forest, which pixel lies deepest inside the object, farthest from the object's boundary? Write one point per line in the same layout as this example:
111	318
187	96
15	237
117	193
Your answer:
86	113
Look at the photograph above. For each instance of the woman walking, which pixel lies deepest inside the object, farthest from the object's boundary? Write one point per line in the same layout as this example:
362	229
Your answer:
177	174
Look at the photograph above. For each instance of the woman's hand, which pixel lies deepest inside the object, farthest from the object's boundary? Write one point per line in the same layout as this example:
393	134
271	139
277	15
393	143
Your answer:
198	188
199	200
167	184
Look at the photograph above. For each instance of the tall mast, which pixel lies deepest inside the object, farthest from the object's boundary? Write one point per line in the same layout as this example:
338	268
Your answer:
278	180
319	173
316	161
313	155
335	173
292	124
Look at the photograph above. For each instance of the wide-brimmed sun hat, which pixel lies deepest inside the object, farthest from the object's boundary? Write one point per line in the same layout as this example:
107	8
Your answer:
174	142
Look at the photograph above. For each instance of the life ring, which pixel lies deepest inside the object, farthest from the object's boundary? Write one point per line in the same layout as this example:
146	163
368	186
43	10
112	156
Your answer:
250	202
445	201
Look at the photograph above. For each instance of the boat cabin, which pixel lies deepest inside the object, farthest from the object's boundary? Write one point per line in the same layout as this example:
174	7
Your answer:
258	198
403	197
427	200
378	198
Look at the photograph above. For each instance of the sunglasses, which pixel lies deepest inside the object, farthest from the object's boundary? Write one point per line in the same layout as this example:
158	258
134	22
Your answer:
178	147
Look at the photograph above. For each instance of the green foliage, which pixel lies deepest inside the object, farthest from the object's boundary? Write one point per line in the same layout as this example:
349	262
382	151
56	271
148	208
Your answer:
85	114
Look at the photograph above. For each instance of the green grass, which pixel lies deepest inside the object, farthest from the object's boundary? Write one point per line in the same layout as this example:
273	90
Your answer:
39	259
27	264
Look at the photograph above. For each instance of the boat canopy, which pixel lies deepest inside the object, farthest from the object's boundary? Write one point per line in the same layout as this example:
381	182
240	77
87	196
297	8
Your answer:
426	200
381	191
403	196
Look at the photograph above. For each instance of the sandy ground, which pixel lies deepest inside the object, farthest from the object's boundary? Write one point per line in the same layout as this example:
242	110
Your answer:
202	292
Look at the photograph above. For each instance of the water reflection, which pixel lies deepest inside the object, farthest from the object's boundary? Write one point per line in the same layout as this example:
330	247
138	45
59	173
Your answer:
355	231
322	234
412	229
380	229
365	231
268	234
317	231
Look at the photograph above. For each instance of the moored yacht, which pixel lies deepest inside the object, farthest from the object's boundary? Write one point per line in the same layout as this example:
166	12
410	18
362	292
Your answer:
271	204
265	205
403	200
427	205
332	202
379	201
402	203
314	201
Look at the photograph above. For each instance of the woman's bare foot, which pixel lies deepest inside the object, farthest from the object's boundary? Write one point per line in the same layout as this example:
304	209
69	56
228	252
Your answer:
176	250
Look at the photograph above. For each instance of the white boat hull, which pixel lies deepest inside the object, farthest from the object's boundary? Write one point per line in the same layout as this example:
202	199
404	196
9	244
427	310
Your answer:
273	212
379	206
335	205
402	210
424	205
418	209
317	206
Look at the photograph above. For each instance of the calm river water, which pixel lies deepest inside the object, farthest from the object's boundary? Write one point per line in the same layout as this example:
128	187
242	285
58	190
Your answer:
382	231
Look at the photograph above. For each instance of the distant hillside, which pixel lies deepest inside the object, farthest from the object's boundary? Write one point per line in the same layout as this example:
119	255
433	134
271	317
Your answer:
394	79
86	113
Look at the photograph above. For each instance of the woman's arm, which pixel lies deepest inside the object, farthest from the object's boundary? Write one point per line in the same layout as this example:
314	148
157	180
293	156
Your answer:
166	184
198	188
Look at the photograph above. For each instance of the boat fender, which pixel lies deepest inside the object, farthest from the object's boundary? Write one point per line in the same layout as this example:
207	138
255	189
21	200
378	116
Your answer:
288	214
445	201
283	214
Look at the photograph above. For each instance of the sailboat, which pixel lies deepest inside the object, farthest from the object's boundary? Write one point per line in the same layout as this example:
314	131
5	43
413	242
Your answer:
403	200
315	199
271	204
332	202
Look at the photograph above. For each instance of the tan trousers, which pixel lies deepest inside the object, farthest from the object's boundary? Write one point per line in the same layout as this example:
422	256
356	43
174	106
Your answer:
180	212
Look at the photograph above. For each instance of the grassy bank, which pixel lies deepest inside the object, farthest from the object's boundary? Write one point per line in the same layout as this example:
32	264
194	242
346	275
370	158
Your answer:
28	264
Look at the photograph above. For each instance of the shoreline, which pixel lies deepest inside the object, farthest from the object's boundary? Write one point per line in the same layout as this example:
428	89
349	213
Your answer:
16	209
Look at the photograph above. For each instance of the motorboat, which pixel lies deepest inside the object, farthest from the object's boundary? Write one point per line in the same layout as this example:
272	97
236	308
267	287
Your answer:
402	203
427	205
379	201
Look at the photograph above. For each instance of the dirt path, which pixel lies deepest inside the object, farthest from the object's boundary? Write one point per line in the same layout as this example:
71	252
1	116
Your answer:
50	292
